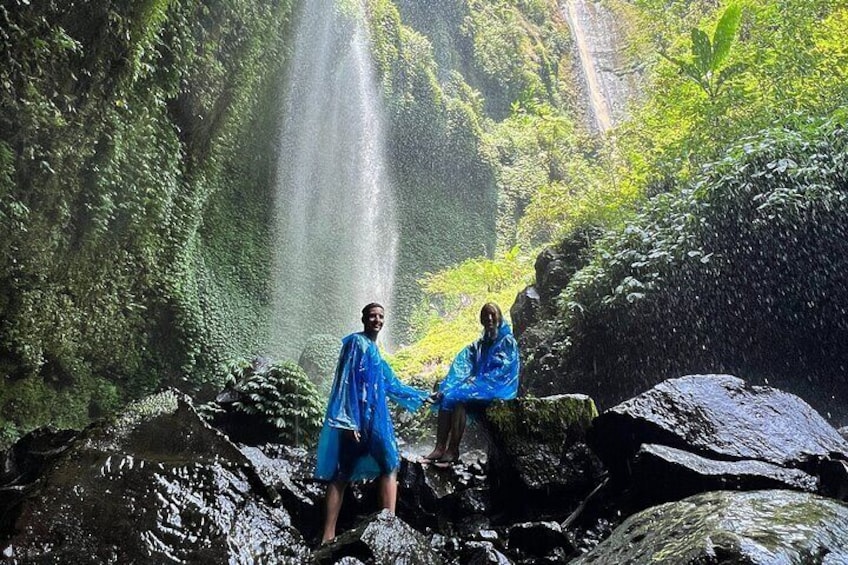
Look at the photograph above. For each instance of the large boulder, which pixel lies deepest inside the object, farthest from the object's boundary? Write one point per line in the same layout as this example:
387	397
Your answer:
444	499
384	539
154	485
287	472
719	417
538	458
665	473
524	312
756	527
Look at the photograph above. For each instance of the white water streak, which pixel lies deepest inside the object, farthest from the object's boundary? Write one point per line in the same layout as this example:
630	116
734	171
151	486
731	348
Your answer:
577	13
337	236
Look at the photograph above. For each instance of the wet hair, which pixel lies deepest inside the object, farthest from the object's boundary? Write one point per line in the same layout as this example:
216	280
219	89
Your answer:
492	306
369	306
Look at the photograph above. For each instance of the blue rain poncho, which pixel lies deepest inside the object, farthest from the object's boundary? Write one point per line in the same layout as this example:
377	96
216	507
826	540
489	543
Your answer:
357	402
484	371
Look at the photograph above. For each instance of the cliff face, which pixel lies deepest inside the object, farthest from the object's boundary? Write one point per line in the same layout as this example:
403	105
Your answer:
740	270
138	151
133	152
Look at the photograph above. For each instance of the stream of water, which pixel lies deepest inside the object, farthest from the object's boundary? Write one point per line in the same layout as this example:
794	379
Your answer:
599	43
336	229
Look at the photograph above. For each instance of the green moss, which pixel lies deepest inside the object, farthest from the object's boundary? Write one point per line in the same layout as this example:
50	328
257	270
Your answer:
542	420
121	149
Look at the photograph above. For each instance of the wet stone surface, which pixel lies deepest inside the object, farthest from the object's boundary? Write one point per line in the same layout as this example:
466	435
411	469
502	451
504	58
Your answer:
757	527
155	485
665	473
719	417
538	460
383	539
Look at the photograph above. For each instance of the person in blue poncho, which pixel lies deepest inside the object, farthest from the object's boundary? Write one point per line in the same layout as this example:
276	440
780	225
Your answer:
357	441
484	371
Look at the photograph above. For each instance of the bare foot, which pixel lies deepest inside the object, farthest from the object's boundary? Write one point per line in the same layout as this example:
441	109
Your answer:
435	455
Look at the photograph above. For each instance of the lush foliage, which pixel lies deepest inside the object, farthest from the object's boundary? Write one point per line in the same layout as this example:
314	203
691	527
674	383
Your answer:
280	394
740	271
449	318
788	57
121	133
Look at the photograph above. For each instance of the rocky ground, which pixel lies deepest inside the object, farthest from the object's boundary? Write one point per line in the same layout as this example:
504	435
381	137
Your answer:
699	469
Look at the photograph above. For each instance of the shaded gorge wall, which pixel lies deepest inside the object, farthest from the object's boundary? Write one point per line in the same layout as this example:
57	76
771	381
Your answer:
134	165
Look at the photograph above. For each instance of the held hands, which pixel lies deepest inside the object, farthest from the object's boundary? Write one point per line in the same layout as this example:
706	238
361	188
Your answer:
353	434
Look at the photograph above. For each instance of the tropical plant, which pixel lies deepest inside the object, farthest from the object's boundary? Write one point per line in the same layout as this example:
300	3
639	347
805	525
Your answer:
706	65
279	393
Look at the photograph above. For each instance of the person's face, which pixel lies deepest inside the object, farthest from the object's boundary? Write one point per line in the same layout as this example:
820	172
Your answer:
490	321
373	320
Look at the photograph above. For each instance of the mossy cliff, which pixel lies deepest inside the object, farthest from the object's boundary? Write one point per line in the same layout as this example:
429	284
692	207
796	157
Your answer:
133	153
137	162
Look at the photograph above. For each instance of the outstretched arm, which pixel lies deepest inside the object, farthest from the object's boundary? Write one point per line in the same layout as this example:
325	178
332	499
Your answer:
407	396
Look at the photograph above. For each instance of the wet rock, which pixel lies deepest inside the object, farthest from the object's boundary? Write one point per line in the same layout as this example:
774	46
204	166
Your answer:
384	539
538	460
525	310
757	527
483	553
24	462
432	497
153	485
539	539
718	417
834	479
843	431
664	473
288	471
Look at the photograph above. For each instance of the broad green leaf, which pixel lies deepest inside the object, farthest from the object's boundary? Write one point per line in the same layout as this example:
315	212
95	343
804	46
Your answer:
702	51
724	34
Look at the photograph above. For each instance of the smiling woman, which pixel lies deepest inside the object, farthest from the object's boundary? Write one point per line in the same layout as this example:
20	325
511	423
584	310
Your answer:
484	371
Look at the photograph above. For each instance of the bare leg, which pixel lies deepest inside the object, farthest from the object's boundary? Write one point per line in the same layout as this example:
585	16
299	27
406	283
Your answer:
388	492
335	492
456	433
443	428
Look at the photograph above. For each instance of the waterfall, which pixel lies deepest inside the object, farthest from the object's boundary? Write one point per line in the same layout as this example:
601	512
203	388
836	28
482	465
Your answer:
599	43
336	235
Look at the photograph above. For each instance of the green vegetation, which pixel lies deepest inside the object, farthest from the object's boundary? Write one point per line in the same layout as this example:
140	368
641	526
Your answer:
122	140
280	394
137	155
449	318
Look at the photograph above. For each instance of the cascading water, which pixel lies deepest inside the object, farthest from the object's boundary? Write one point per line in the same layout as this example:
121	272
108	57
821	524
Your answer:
599	43
336	230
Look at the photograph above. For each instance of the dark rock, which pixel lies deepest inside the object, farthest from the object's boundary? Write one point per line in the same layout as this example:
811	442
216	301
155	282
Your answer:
470	511
525	310
757	527
384	539
288	470
153	485
556	265
538	461
664	473
483	553
431	496
538	539
552	274
719	417
24	462
834	479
